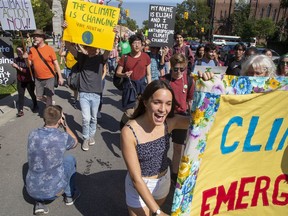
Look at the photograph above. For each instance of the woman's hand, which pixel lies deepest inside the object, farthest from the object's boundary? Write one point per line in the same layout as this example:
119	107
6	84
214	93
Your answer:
128	73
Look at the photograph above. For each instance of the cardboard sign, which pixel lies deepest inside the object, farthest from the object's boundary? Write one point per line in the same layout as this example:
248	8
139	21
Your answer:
17	15
214	69
7	72
236	158
161	25
91	24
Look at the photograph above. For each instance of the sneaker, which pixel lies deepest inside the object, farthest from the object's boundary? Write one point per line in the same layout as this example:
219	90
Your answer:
99	115
20	113
70	200
85	145
91	141
40	209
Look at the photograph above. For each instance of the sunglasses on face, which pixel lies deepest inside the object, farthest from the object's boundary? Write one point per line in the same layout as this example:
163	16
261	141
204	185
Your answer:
176	69
284	63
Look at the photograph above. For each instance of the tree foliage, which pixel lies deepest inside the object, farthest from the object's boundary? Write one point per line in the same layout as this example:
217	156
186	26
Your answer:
42	13
131	24
198	17
247	27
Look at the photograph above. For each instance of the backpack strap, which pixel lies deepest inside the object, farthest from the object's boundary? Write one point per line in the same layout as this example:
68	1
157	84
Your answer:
125	61
189	82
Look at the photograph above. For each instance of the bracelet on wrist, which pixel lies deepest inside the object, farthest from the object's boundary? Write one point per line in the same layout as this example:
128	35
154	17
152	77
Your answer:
157	212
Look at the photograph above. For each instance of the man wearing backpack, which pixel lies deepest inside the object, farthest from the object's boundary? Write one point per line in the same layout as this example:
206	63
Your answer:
183	88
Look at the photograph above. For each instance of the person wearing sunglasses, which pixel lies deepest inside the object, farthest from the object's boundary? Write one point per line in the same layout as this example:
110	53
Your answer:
234	64
282	68
183	88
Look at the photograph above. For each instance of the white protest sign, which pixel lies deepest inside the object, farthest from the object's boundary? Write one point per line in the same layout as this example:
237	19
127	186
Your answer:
214	69
17	15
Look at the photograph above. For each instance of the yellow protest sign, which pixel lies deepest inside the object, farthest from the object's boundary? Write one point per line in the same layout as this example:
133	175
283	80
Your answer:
245	158
236	158
90	24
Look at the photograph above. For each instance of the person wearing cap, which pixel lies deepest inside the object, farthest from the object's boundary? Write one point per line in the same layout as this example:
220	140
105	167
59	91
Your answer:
44	79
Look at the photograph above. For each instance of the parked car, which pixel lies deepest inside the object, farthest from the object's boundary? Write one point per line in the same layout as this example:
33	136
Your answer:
275	55
219	42
226	52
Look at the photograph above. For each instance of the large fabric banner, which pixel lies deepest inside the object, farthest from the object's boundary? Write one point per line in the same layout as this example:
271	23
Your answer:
17	15
91	24
236	158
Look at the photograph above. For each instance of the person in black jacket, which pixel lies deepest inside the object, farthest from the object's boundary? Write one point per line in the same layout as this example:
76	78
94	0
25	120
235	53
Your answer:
234	63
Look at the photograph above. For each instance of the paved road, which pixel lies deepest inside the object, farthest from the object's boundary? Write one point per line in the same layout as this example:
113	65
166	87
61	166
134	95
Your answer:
101	170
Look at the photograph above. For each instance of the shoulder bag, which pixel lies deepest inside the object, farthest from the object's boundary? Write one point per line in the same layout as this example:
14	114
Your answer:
55	74
118	81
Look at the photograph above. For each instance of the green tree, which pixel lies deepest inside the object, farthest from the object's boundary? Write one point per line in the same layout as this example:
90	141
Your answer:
264	28
131	24
42	13
198	17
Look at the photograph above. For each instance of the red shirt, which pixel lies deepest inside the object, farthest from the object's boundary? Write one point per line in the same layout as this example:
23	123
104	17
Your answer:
137	65
182	96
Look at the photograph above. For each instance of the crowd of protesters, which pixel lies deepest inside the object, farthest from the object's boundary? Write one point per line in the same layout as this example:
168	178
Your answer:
156	97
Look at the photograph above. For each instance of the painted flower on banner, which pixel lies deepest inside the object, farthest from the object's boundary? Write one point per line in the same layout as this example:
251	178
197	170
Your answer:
177	200
198	116
274	84
218	89
258	82
201	145
198	100
195	132
243	85
186	202
184	171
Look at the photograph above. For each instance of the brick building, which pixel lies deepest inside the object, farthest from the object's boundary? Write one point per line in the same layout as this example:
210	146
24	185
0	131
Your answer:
221	10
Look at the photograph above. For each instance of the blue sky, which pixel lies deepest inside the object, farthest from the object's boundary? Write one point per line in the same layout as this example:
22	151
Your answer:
139	9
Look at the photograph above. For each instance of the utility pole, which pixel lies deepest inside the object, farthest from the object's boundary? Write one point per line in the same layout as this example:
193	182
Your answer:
212	6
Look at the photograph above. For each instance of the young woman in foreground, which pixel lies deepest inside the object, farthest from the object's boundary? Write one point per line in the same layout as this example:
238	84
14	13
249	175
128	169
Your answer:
145	143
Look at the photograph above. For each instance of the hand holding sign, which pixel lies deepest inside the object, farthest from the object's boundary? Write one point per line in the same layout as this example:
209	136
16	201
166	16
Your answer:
94	24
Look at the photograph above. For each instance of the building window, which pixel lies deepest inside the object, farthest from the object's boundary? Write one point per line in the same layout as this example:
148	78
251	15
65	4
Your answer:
274	14
269	10
261	13
221	14
225	14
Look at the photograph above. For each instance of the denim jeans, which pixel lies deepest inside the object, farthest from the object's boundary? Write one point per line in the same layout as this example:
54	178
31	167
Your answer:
70	170
89	103
69	163
112	64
